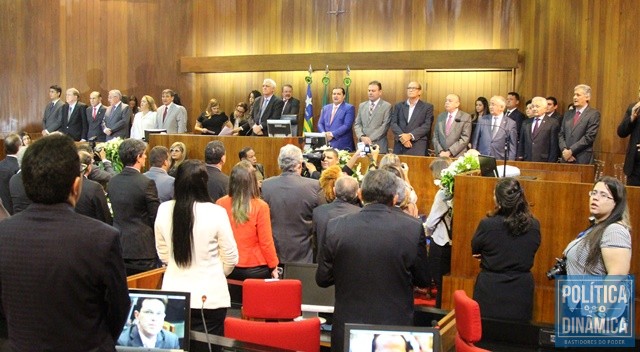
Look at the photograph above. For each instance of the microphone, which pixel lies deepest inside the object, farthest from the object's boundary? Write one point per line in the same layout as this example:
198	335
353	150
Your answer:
435	324
204	323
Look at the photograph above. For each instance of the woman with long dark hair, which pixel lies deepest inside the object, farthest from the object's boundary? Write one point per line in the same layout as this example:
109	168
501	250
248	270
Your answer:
506	242
605	247
194	239
251	223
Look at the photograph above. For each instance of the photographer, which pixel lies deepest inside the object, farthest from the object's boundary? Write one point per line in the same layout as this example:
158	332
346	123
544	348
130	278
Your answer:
605	247
329	157
99	173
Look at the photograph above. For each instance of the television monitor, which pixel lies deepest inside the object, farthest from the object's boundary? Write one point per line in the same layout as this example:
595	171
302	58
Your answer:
176	320
488	166
314	140
279	128
314	298
362	337
294	122
151	131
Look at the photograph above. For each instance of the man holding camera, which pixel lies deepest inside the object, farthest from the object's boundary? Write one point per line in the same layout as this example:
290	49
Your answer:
372	122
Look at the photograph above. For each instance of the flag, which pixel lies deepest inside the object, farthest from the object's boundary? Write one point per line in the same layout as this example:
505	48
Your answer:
308	111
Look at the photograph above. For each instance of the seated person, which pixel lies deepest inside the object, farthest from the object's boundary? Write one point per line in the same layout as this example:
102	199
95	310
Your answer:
212	120
146	330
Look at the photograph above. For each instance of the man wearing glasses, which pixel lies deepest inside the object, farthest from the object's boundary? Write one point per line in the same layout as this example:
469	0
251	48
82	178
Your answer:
411	123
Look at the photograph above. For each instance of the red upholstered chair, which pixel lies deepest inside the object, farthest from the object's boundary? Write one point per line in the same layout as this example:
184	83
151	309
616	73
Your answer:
468	323
303	335
271	299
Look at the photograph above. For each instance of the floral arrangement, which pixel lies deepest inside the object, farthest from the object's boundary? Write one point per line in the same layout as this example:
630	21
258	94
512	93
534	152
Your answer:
111	150
343	158
467	162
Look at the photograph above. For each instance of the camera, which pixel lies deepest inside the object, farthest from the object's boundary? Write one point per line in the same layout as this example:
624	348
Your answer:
559	268
315	157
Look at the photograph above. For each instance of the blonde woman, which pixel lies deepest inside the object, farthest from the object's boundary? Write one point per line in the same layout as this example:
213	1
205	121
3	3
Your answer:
212	120
145	119
178	152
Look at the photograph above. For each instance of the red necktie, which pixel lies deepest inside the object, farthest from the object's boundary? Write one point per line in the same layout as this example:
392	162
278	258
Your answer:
576	117
449	123
164	115
94	112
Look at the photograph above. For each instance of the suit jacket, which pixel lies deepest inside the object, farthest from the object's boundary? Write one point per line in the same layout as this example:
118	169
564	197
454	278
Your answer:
8	167
94	127
580	138
63	281
19	196
517	116
458	138
74	125
558	116
625	129
419	126
375	126
118	120
292	107
93	202
323	214
164	183
494	146
134	200
218	183
273	111
543	146
51	119
374	258
340	127
292	199
130	336
175	121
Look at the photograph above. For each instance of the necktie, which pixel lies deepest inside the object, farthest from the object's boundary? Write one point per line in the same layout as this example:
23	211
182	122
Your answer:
576	117
449	123
508	113
535	126
264	107
333	113
372	106
284	106
494	127
164	115
94	112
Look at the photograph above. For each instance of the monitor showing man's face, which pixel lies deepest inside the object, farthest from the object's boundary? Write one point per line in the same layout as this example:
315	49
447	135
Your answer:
150	317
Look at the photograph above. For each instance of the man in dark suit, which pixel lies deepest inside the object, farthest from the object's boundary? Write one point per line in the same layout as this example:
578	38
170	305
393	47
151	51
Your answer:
214	157
579	128
50	120
450	137
92	201
149	316
374	258
629	126
512	102
552	109
73	115
336	121
159	161
8	167
117	117
171	116
265	107
373	119
539	136
63	280
411	123
95	117
291	106
134	200
346	189
496	130
292	199
19	196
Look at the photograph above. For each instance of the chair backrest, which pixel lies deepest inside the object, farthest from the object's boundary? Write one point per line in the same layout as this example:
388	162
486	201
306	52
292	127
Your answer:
303	335
468	320
271	299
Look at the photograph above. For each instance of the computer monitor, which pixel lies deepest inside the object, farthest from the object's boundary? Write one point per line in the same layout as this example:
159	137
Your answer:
177	318
488	166
314	297
362	337
314	140
294	122
279	128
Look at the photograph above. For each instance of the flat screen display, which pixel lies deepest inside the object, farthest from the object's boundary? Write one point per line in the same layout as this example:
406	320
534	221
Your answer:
365	337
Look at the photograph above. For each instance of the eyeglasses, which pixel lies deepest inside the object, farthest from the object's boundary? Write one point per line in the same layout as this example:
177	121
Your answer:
242	112
175	150
413	88
600	194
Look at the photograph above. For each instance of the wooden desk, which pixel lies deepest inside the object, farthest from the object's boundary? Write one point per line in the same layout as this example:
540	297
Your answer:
561	208
151	279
